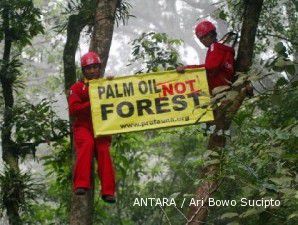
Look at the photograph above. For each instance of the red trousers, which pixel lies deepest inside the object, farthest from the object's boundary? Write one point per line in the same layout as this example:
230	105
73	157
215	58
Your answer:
86	146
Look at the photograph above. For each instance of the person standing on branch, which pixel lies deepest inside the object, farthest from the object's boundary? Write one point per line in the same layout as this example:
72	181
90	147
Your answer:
219	62
86	146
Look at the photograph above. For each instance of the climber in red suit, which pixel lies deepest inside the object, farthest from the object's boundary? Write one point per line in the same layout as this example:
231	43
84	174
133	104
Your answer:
219	62
86	145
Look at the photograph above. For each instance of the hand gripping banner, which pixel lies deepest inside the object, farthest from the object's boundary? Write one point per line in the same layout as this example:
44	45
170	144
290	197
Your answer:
149	101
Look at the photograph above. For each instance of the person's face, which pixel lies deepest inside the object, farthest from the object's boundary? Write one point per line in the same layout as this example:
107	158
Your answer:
92	71
208	39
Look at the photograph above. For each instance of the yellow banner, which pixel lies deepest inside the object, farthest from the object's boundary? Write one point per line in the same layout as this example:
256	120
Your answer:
149	101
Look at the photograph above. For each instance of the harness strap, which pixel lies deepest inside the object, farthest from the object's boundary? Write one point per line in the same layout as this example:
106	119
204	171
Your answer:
228	37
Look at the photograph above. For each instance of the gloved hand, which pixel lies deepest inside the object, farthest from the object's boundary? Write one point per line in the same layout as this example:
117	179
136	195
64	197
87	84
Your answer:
249	90
180	69
110	77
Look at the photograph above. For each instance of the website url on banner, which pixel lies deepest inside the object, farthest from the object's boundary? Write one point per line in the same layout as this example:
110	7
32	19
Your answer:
154	122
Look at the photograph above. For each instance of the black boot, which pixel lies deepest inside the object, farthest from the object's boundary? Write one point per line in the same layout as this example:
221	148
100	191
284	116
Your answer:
109	198
80	191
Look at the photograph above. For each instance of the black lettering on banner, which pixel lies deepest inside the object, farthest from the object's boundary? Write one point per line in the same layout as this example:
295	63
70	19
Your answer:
150	86
105	111
101	90
110	92
143	87
156	90
144	104
177	101
159	105
117	91
128	89
195	96
130	109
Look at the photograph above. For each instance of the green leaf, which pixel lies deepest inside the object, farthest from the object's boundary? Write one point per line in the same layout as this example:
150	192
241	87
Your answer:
231	95
174	195
212	162
281	81
290	69
295	131
293	215
229	215
249	212
222	15
280	62
282	181
240	80
280	48
209	153
220	89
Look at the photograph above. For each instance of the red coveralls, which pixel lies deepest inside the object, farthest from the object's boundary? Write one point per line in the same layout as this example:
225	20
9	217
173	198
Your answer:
219	64
86	145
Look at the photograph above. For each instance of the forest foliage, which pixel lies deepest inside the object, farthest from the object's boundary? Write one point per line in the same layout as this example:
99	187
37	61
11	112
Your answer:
259	161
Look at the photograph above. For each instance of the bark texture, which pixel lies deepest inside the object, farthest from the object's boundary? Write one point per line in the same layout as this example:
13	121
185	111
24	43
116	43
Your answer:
223	115
81	206
74	27
11	198
103	29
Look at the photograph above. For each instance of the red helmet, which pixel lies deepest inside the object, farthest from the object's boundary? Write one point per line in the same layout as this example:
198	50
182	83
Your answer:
204	27
90	58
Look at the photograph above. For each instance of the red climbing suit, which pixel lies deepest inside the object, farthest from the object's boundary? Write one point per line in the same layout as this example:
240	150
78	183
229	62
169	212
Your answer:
86	145
219	64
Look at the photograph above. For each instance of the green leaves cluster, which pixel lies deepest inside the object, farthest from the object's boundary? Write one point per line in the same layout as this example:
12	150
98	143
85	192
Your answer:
20	21
123	12
14	182
261	159
36	124
58	168
158	163
282	61
156	51
12	70
278	22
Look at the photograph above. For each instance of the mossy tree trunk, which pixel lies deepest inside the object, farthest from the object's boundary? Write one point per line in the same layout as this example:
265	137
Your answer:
9	155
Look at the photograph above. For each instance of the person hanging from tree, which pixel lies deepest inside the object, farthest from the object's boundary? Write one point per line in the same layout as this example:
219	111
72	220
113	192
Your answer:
86	146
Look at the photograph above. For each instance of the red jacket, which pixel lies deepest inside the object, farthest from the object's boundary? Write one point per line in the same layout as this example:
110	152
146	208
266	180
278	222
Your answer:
79	104
219	64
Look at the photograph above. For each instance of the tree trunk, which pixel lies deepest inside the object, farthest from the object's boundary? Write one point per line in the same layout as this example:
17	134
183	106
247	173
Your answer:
198	215
103	30
82	206
292	9
10	157
75	25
